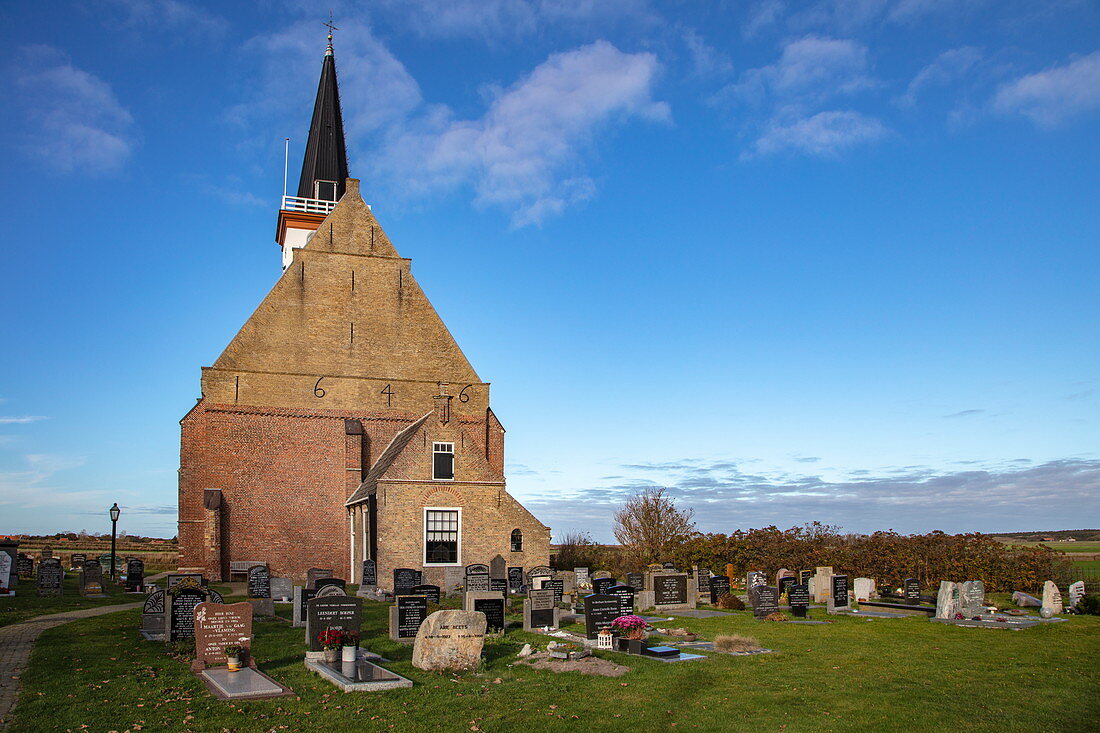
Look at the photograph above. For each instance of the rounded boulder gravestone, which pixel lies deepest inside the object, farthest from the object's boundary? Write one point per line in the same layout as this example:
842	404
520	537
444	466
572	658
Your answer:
449	641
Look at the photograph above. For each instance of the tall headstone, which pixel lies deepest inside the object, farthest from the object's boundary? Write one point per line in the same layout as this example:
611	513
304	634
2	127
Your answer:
91	579
218	625
785	583
302	596
625	594
51	578
405	579
947	600
335	612
864	589
24	566
1076	593
822	587
972	595
539	610
719	586
515	580
179	610
702	581
799	598
498	568
259	582
135	575
599	612
152	615
370	573
839	595
911	589
754	578
477	578
1052	600
581	576
406	615
804	577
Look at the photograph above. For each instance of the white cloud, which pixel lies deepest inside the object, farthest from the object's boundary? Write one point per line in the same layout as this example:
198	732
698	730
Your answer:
763	15
20	420
170	17
946	68
523	154
826	134
74	121
705	59
1052	96
809	69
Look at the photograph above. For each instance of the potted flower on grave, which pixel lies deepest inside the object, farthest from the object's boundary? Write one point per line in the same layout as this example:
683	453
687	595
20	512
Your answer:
233	657
633	630
350	648
331	640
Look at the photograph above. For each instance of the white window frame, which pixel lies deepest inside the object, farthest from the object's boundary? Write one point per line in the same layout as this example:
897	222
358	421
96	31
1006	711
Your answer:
424	537
317	189
435	444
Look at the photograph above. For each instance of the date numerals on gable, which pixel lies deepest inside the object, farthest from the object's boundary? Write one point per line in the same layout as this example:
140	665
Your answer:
318	390
389	395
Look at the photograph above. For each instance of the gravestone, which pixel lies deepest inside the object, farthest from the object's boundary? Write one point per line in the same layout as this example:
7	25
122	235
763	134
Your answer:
477	578
839	597
702	581
135	575
453	579
370	573
600	586
498	568
1076	593
799	598
282	588
46	553
431	592
973	598
218	625
259	582
785	583
1025	601
540	571
315	574
302	596
498	585
804	577
755	578
581	576
1052	600
24	566
719	586
821	589
636	581
864	589
625	594
449	641
77	560
405	579
91	579
947	600
781	574
767	600
325	582
670	590
912	591
406	615
599	612
492	605
515	580
152	615
176	578
335	612
539	610
330	591
670	566
51	578
180	607
557	586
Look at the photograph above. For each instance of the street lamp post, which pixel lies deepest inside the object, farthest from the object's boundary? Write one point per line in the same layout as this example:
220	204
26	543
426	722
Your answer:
115	511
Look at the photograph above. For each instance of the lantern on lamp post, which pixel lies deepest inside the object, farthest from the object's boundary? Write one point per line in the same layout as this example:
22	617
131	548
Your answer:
115	511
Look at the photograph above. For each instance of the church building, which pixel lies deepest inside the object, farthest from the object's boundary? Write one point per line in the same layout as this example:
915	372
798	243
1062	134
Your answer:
343	423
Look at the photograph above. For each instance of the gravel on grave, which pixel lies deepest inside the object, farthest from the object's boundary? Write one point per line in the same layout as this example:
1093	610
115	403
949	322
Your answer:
588	665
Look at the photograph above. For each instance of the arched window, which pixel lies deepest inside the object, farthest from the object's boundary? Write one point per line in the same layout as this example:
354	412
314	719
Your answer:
517	541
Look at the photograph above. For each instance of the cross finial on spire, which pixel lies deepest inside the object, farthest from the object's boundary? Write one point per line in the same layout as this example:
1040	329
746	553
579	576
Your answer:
331	28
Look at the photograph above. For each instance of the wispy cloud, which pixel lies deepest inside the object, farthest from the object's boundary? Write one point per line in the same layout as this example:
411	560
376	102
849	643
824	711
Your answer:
21	420
706	60
826	134
166	19
73	120
1055	95
964	413
945	69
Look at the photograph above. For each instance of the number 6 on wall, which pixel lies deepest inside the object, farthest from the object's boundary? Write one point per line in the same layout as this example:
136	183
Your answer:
318	391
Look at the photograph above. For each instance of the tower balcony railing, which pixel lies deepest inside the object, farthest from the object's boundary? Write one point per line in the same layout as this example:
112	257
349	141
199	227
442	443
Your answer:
309	206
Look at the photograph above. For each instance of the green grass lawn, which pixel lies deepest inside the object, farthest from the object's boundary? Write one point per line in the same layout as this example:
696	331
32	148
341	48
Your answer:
1089	566
1067	547
27	604
853	674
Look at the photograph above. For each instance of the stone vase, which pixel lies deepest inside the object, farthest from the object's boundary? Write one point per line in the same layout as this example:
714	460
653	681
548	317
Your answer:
331	654
348	653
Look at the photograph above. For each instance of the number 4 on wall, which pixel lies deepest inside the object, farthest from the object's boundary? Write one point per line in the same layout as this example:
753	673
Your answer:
389	395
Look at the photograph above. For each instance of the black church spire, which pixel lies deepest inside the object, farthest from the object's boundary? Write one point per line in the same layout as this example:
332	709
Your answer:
325	166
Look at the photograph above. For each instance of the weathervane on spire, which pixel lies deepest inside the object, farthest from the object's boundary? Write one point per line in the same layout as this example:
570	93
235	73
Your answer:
331	28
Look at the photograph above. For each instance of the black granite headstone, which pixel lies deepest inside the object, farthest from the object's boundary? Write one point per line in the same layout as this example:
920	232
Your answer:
719	586
135	575
840	590
338	582
411	612
804	577
669	590
766	600
912	591
493	608
184	601
404	579
625	594
515	580
786	583
542	607
307	595
636	581
558	586
259	582
799	598
334	612
24	566
51	577
600	586
78	559
431	591
702	580
599	612
498	585
370	572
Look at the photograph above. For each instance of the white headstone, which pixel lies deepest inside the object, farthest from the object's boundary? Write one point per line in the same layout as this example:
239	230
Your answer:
947	600
865	589
1052	599
1076	593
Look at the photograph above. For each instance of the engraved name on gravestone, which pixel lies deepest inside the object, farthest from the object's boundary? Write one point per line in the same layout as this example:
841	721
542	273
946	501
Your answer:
493	608
755	578
219	625
335	612
135	575
912	591
767	600
785	583
515	580
973	598
599	612
431	592
51	578
557	586
498	585
799	598
91	578
702	581
581	576
282	588
804	577
838	596
330	591
540	606
625	594
449	641
405	579
78	559
406	615
24	566
370	572
719	586
477	578
259	582
636	581
182	611
601	585
670	590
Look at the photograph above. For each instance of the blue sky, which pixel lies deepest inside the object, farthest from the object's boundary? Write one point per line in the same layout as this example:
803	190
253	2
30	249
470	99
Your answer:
795	261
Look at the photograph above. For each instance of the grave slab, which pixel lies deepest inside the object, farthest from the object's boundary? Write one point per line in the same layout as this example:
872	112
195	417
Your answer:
247	683
358	676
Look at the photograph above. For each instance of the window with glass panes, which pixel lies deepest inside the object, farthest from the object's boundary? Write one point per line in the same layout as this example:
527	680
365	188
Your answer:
443	460
441	536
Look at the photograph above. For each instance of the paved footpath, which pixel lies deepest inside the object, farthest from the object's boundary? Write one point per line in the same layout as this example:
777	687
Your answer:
17	641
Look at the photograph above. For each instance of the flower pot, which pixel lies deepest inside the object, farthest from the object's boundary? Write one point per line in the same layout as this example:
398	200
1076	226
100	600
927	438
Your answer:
622	643
332	654
635	646
348	653
234	663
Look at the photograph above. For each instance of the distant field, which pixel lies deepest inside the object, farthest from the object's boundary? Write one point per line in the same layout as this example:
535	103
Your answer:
1067	547
1089	566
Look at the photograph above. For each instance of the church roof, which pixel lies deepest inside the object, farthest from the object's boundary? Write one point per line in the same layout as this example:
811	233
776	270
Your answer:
326	156
393	450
